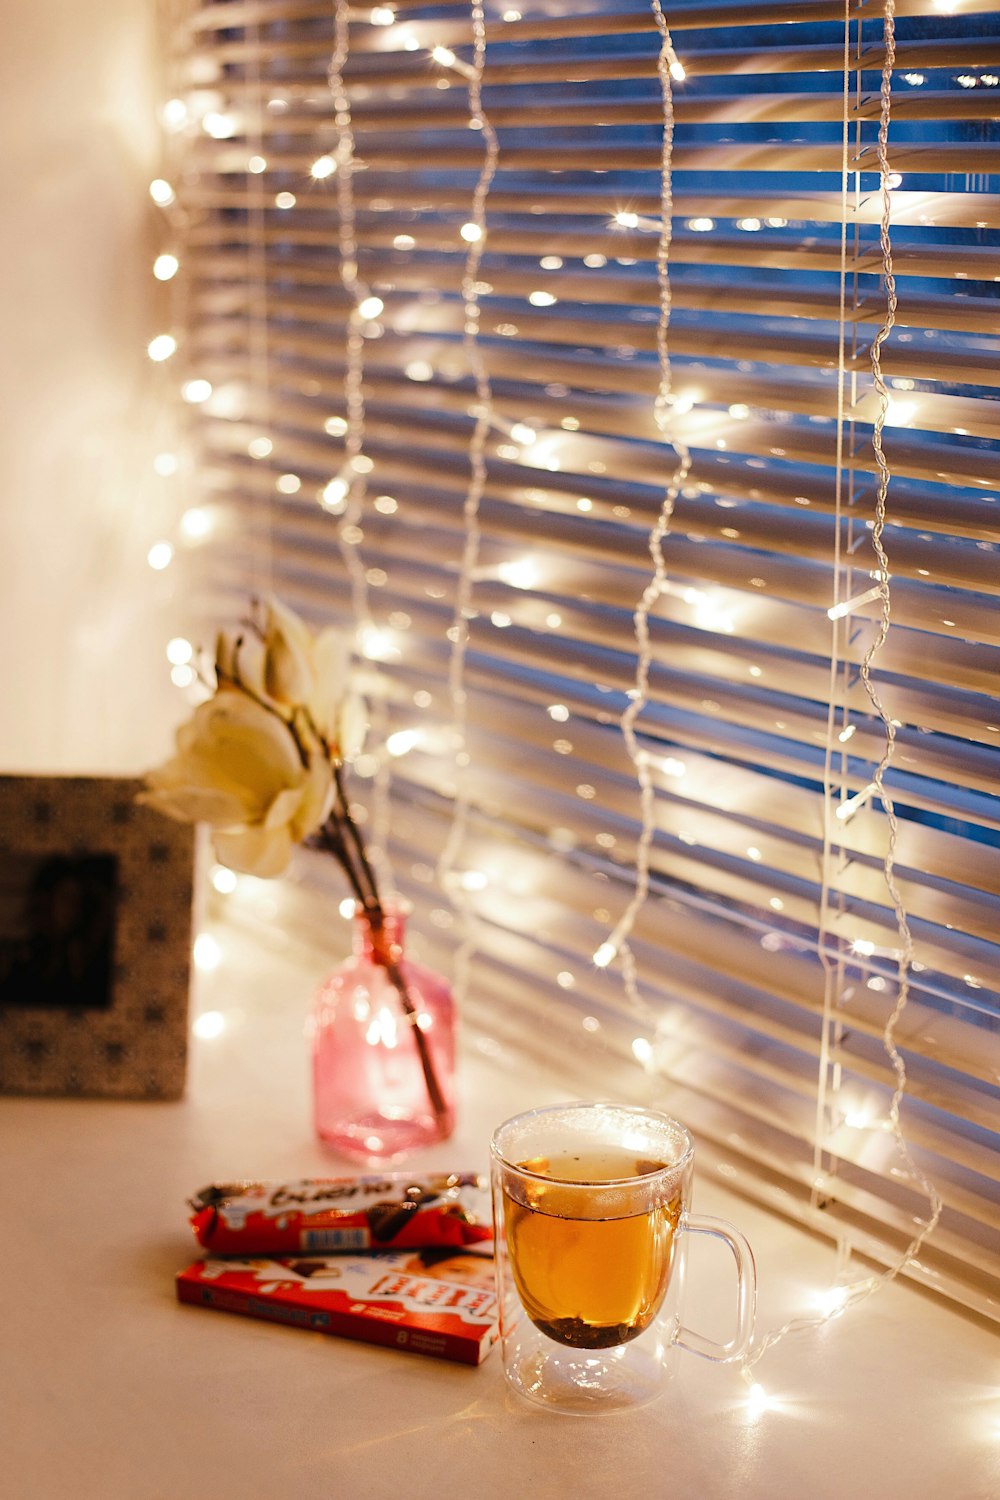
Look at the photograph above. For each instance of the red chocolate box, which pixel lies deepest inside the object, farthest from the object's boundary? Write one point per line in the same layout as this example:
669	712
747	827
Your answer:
391	1211
440	1302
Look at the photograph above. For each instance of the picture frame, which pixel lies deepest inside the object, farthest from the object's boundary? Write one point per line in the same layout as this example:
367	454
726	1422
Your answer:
96	928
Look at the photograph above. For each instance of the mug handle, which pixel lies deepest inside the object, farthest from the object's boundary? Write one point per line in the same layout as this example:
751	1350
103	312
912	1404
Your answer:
746	1292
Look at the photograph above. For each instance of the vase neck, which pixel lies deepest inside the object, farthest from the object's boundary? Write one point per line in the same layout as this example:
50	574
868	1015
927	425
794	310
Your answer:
379	943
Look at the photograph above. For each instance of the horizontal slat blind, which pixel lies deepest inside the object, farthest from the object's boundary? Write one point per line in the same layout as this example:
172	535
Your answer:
767	951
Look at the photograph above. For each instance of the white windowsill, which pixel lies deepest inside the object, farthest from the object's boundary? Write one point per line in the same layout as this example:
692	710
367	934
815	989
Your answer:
111	1391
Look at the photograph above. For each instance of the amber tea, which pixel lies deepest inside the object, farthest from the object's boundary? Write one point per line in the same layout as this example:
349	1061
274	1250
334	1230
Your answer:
591	1270
592	1218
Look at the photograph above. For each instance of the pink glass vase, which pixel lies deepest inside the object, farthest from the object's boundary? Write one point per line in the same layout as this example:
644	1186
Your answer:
383	1049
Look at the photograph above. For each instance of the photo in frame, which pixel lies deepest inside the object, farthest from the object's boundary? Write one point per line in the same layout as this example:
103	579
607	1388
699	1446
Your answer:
96	914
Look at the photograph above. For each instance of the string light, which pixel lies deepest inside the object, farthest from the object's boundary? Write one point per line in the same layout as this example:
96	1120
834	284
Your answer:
935	1204
617	945
836	1302
161	347
347	491
473	232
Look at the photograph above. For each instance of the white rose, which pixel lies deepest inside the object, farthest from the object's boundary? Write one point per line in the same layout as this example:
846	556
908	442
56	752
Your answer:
289	668
240	769
285	666
337	712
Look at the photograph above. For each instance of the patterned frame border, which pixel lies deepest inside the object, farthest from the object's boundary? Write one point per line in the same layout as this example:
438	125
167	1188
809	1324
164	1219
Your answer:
137	1046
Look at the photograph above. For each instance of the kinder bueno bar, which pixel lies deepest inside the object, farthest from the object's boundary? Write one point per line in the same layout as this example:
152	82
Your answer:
325	1215
438	1302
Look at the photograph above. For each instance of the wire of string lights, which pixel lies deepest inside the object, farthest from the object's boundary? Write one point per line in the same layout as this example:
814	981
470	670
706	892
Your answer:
346	492
849	1294
474	233
669	68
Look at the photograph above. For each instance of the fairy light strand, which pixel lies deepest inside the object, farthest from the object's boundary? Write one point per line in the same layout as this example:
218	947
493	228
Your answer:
352	478
617	944
877	781
351	482
258	312
483	421
833	971
851	1295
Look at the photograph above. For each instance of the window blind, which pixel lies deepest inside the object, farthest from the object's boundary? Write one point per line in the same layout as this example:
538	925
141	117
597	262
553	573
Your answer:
499	582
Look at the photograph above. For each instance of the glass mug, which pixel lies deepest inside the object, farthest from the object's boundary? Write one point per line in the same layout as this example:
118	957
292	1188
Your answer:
590	1205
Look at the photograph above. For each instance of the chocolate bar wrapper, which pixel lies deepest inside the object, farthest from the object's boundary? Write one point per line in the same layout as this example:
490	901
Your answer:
437	1302
328	1215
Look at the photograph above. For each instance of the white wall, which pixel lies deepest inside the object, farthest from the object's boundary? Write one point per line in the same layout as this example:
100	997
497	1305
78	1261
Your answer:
83	619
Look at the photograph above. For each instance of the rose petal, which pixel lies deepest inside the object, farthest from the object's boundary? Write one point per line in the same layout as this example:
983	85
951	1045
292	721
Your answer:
254	851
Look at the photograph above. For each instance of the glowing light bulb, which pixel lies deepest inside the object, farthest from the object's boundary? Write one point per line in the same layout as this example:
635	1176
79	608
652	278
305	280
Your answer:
334	493
471	233
520	573
701	225
677	71
165	267
335	426
402	741
404	242
219	126
541	299
382	15
444	56
377	645
160	556
161	347
371	307
284	200
210	1024
166	464
161	192
831	1300
758	1400
194	392
522	433
224	880
899	413
257	165
322	167
604	955
626	220
207	953
179	651
847	606
174	114
260	447
642	1050
848	808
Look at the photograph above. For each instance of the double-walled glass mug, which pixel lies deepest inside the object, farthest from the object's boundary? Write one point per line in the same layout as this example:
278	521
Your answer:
590	1205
